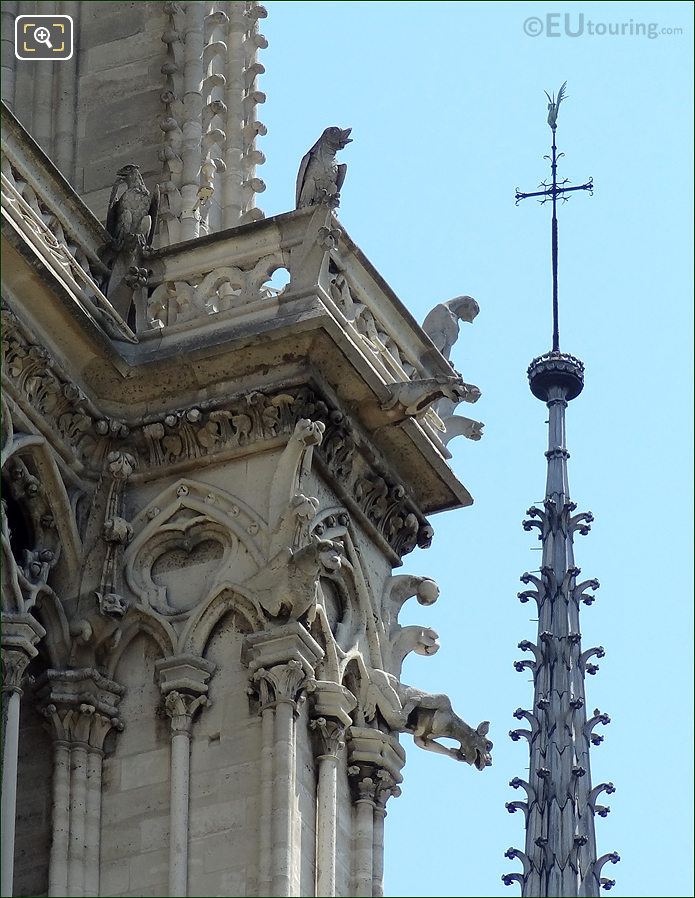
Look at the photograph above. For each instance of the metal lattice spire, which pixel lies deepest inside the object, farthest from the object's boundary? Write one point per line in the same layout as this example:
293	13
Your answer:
560	857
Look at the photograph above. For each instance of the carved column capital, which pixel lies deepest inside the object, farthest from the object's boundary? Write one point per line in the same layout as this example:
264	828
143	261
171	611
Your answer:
378	758
281	662
181	708
281	683
80	725
183	680
14	665
331	737
20	633
80	706
386	788
364	786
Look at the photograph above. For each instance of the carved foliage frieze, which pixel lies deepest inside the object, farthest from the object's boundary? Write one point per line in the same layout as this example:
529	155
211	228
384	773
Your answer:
180	437
183	436
39	381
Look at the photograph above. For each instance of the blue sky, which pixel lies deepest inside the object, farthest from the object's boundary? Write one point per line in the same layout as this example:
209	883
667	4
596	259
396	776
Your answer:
448	115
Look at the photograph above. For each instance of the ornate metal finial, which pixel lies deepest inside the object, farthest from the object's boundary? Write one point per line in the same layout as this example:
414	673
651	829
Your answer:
554	191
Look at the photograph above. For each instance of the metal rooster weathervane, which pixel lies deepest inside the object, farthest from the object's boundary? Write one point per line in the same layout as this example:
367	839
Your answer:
552	192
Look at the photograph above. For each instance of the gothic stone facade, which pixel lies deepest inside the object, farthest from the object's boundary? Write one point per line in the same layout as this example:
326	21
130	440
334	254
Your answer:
203	508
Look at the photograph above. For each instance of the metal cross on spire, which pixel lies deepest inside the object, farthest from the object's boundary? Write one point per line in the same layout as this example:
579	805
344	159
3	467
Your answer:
552	192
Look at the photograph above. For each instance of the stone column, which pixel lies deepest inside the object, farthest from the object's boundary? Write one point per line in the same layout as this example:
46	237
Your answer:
386	787
20	632
376	760
364	788
281	660
331	706
330	734
80	707
183	682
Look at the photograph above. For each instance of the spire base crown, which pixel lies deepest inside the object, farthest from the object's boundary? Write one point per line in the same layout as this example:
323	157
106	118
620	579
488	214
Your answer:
556	369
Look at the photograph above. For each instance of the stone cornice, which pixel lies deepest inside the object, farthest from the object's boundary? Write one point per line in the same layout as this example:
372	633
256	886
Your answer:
221	429
337	322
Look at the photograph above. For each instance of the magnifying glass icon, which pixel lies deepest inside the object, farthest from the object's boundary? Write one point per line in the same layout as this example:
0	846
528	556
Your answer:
43	36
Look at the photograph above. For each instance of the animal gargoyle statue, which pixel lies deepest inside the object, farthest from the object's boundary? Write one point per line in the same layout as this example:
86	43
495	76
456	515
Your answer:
320	177
430	717
414	398
99	630
427	717
288	586
131	222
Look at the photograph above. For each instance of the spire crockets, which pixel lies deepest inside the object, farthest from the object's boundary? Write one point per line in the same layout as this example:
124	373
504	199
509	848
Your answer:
210	125
560	857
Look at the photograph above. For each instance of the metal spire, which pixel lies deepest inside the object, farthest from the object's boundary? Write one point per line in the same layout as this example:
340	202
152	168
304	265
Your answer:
560	857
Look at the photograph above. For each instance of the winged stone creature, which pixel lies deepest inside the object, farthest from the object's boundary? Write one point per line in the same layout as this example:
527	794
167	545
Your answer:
132	211
320	176
131	222
554	105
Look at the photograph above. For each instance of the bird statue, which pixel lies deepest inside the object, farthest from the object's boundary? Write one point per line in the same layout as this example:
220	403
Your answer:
554	105
131	222
132	209
442	324
320	177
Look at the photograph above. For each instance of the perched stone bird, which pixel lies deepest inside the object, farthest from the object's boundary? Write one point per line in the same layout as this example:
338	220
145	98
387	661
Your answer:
131	222
132	209
554	105
320	176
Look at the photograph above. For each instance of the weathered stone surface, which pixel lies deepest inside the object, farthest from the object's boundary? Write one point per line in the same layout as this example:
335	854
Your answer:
210	484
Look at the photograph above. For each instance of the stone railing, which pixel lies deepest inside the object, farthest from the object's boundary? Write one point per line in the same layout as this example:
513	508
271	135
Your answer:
54	222
231	275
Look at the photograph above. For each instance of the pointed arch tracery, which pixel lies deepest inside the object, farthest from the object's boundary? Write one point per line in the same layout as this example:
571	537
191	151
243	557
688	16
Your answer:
205	525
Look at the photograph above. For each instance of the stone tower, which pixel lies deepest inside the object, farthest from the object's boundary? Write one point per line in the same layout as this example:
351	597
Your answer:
208	483
560	857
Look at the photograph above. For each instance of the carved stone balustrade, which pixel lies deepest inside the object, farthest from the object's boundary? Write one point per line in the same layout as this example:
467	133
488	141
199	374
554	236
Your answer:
49	224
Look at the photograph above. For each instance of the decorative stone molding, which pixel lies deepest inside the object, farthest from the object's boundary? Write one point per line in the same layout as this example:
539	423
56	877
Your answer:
69	690
368	330
80	724
331	701
369	751
278	646
183	675
179	438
